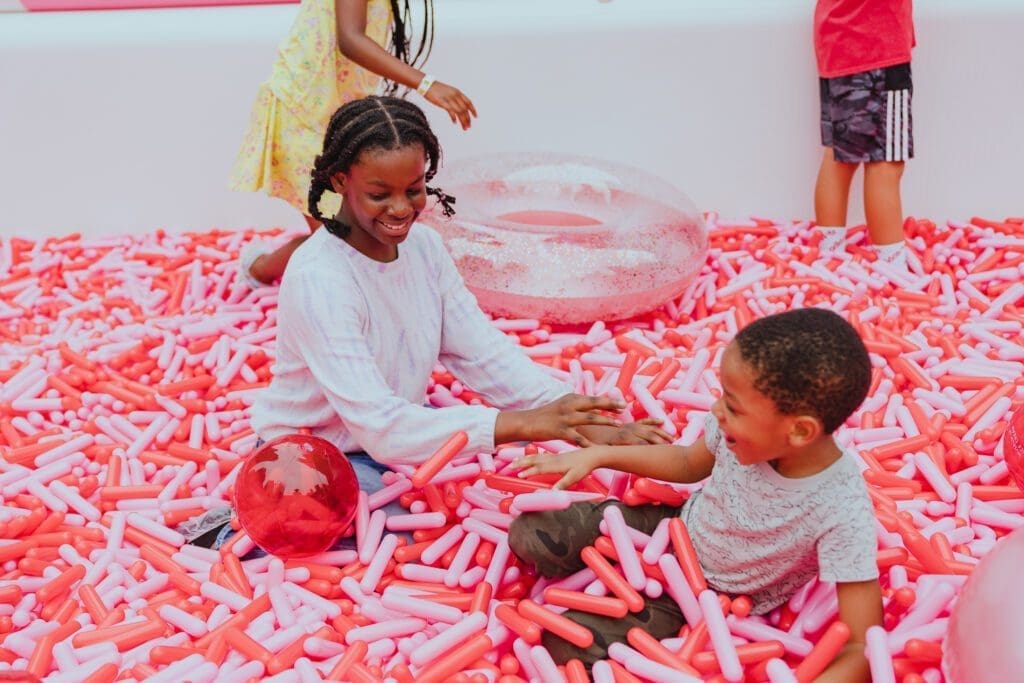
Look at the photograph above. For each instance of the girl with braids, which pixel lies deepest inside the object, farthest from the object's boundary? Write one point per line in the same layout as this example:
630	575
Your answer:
333	54
371	303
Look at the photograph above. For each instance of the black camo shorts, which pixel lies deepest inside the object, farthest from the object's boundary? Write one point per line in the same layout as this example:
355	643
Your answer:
866	116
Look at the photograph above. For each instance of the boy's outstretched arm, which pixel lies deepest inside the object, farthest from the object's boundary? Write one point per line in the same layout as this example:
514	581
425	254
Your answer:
860	606
669	463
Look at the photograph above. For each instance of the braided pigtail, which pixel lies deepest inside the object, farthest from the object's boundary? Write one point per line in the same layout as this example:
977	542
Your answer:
401	44
445	201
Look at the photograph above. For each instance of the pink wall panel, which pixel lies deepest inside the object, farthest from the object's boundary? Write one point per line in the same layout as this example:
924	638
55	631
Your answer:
77	5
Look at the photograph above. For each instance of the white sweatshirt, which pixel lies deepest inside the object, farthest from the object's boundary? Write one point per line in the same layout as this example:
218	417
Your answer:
357	341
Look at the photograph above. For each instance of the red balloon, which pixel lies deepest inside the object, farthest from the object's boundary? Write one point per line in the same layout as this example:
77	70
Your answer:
1013	447
296	495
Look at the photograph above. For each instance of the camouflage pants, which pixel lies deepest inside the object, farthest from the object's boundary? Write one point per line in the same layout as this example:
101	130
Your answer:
551	541
867	117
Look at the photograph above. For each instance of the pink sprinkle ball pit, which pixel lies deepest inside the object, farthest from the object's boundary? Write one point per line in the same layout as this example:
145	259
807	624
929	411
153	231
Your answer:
123	419
569	239
986	624
296	495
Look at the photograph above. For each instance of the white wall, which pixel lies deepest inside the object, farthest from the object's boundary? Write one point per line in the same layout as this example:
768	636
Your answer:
129	120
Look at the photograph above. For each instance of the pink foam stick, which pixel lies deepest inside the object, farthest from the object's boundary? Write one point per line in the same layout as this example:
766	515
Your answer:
649	670
372	537
462	559
496	568
449	638
653	407
393	628
181	619
877	652
156	530
389	493
222	595
321	648
638	538
331	609
492	517
546	667
542	500
375	569
184	473
441	545
927	607
629	561
362	518
422	573
936	479
462	472
480	500
990	476
779	672
416	607
721	640
74	500
679	588
602	672
425	472
281	607
424	520
754	630
657	544
484	530
994	517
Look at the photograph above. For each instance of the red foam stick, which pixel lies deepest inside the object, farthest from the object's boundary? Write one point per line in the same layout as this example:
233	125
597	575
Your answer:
425	472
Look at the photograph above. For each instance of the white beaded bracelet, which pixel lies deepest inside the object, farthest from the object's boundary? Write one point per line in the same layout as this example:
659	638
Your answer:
425	84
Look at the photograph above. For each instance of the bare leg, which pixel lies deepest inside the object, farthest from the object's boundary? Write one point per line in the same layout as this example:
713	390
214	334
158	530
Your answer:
882	206
832	191
270	267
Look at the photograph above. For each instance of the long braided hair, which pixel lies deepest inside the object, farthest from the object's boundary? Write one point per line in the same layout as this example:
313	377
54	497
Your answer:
401	43
372	123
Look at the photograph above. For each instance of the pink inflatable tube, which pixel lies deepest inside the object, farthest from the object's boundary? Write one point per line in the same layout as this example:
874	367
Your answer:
568	239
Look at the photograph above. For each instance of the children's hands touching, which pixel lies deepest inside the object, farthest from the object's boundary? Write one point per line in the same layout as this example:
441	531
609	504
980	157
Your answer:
459	107
567	418
574	465
639	433
564	418
645	431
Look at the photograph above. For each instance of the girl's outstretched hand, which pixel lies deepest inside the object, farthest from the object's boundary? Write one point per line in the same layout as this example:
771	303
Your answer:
574	465
563	418
459	107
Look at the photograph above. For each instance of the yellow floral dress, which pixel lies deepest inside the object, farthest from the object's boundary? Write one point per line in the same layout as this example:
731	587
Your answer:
310	79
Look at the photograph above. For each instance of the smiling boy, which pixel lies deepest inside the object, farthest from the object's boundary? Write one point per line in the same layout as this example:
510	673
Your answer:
782	502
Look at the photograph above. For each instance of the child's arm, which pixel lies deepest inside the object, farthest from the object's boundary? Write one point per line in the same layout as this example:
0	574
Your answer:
668	463
357	46
860	606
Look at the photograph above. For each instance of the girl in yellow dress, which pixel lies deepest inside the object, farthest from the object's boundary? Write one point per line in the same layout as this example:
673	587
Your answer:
334	53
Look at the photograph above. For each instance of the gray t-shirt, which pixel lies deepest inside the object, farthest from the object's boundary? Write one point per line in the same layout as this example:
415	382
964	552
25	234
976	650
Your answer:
760	534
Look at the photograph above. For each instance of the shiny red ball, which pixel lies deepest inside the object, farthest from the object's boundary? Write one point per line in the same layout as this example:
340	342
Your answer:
296	495
1013	447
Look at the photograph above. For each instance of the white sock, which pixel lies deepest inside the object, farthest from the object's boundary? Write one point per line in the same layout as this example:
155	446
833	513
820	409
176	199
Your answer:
894	254
833	239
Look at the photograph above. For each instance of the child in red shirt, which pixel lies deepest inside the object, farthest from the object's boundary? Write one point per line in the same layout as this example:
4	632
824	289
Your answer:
863	53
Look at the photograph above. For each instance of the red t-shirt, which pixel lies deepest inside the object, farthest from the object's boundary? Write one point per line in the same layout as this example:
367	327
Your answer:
858	35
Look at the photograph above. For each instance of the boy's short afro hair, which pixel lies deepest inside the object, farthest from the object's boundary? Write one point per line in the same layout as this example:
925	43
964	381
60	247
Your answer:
809	361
